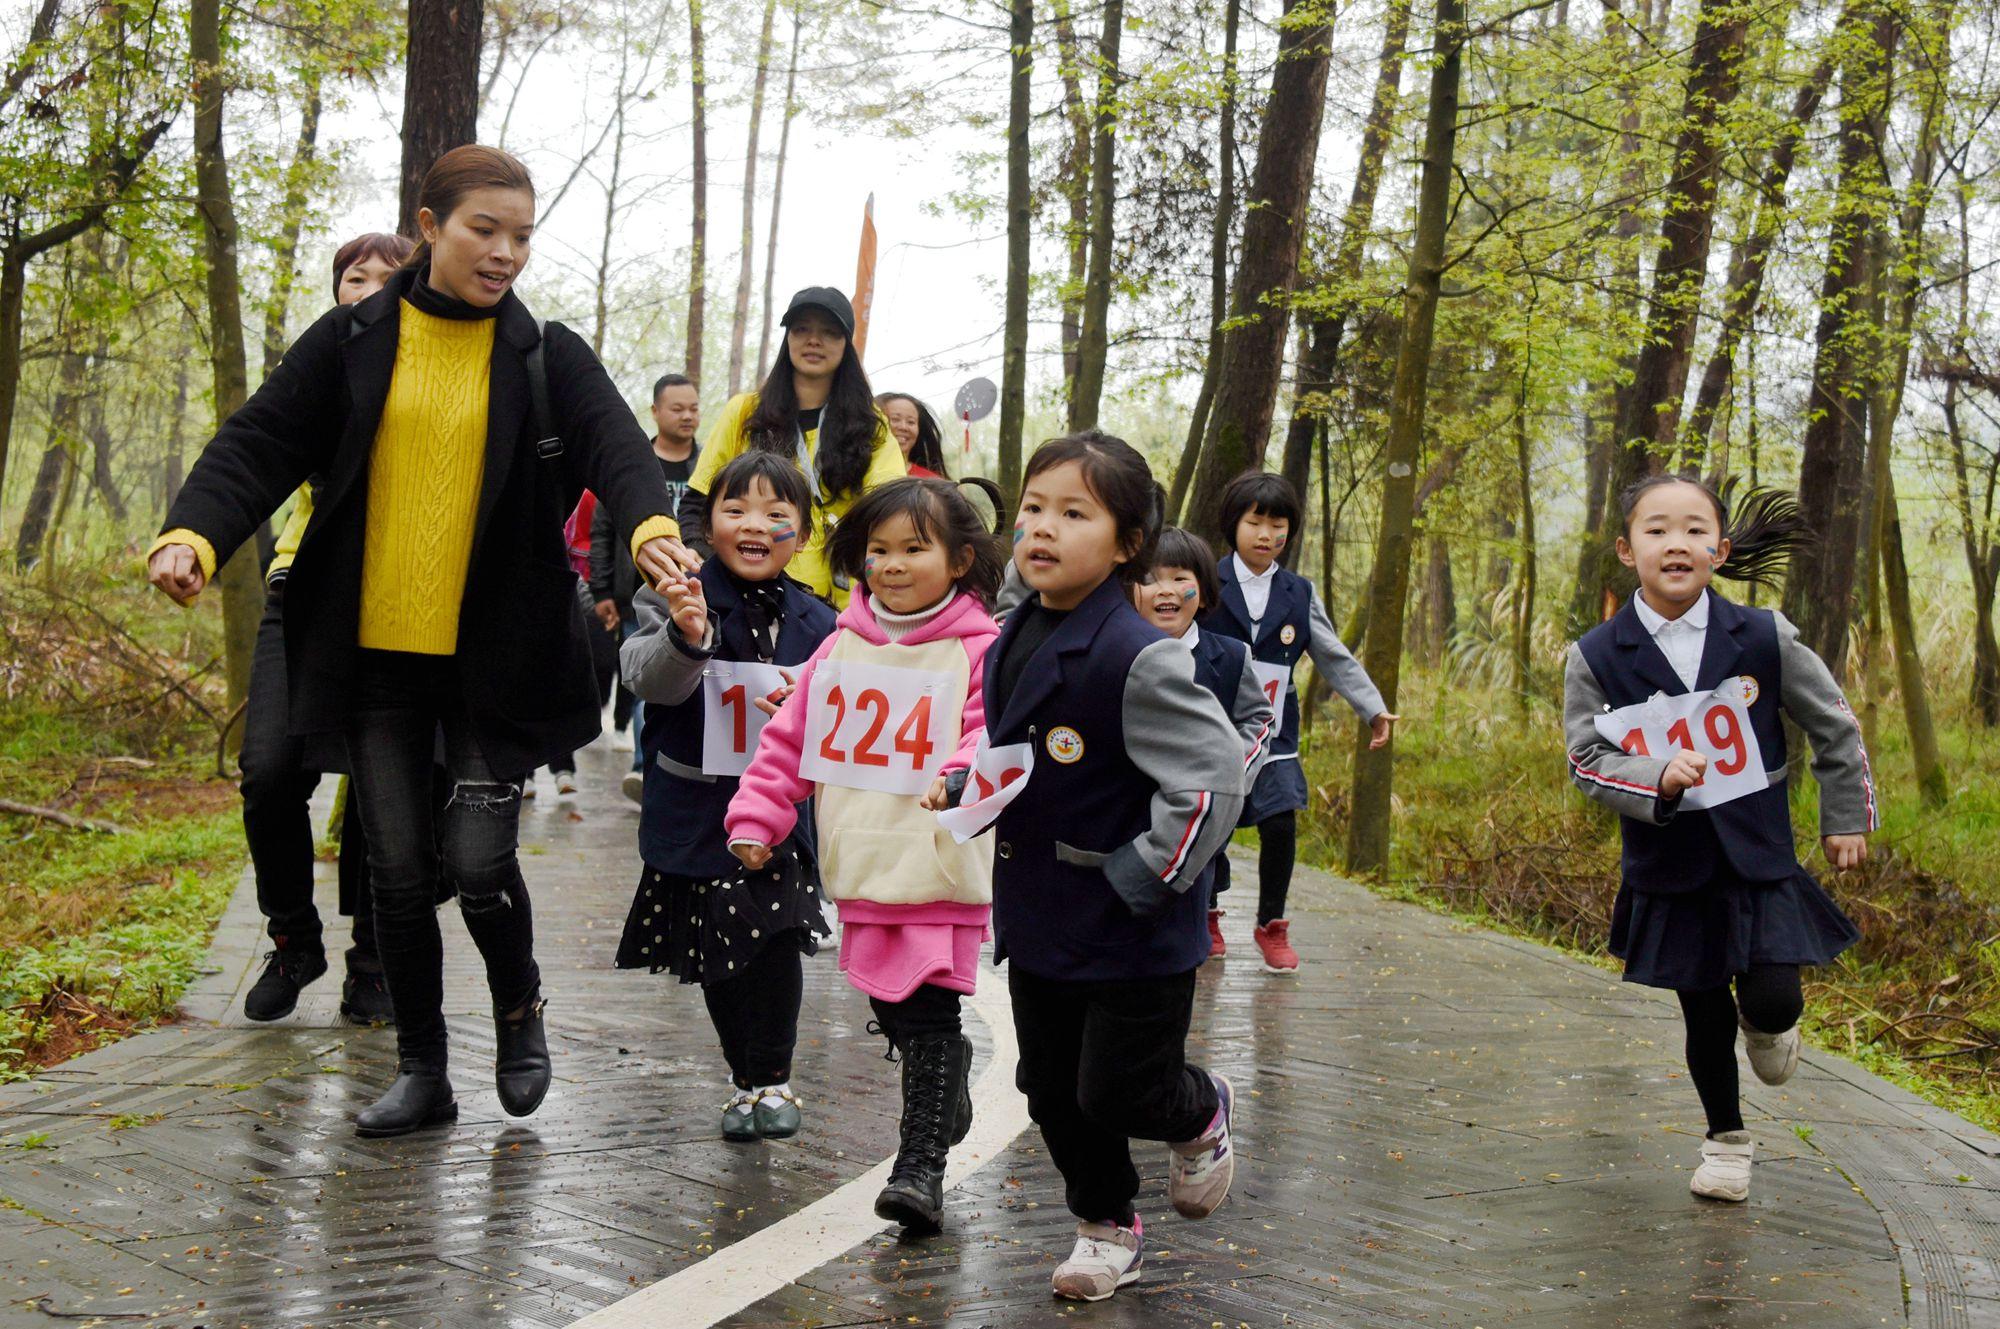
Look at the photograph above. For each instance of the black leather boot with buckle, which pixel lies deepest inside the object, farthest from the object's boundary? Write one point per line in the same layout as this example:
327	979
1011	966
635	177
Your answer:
932	1071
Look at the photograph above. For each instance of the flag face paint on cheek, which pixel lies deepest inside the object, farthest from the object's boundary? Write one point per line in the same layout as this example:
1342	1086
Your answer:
782	531
868	566
1189	592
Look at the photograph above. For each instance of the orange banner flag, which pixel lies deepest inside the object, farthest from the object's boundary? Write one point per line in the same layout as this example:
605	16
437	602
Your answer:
864	278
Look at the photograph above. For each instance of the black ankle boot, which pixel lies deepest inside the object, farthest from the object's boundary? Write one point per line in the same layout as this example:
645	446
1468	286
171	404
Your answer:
932	1068
420	1097
521	1060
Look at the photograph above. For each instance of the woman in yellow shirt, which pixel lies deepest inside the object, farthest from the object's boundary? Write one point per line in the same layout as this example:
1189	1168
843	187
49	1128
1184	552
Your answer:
431	591
816	408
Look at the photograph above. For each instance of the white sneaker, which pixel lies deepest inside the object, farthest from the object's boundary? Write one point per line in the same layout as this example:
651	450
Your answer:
565	782
1724	1173
634	785
1105	1258
1773	1056
1199	1171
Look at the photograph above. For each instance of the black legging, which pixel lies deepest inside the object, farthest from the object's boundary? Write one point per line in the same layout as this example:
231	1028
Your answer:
756	1015
1277	854
928	1012
1770	998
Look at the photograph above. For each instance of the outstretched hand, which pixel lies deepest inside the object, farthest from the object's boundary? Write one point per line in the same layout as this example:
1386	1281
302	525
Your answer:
176	569
663	560
687	605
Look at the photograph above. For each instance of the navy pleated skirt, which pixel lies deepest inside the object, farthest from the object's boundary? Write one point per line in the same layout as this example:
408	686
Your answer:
1703	939
1280	787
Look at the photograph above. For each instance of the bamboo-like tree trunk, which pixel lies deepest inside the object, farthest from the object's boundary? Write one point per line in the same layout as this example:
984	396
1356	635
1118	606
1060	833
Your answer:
740	324
292	221
1327	331
1020	219
1075	186
778	190
1524	600
1218	263
1274	226
440	90
1094	339
697	287
1388	585
241	586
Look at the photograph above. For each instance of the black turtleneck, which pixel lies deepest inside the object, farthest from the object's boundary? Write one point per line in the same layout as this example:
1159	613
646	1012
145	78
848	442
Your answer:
439	305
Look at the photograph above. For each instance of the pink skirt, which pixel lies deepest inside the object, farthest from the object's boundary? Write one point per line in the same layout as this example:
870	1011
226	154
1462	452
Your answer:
891	950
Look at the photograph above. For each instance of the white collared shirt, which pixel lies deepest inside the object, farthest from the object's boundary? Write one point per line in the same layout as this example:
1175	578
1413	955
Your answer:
1192	637
1679	639
1256	588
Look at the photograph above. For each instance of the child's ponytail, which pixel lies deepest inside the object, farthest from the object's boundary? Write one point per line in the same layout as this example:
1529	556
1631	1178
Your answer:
1767	528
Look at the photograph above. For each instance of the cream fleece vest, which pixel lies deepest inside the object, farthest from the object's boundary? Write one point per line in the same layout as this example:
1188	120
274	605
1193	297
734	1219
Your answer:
885	847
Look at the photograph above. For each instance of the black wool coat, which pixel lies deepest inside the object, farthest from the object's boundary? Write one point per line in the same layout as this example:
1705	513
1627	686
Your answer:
523	659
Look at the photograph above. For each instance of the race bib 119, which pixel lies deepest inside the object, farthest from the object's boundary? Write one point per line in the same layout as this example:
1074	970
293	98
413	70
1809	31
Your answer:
1715	724
874	726
730	720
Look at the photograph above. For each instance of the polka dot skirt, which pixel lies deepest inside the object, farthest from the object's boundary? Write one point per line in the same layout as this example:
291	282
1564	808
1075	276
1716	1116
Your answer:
702	929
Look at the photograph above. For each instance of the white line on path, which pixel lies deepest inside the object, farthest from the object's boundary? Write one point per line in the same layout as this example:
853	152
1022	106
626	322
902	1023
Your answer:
745	1273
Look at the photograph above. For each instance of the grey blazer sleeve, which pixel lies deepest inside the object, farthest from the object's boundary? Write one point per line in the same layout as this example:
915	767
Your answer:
656	662
1338	666
1813	699
1628	785
1256	724
1177	735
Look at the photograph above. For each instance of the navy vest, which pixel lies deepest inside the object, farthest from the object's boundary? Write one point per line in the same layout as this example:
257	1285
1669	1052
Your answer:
1055	915
1751	836
1290	608
680	818
1219	663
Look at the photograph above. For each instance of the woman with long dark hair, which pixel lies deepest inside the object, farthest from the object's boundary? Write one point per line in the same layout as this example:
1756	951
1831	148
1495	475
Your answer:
917	433
816	408
431	591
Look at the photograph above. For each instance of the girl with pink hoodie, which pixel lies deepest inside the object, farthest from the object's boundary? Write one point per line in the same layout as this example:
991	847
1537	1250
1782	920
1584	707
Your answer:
888	704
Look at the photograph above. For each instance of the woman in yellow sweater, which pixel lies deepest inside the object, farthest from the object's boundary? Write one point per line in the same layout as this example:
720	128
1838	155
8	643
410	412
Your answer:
816	408
430	591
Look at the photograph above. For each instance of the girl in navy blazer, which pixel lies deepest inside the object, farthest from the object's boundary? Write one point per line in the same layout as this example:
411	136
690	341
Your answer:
698	914
1136	782
1279	614
1716	896
1179	590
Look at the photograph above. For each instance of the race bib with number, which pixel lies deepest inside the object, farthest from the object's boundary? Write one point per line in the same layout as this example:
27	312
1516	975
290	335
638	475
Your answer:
874	726
1715	724
997	777
1272	680
730	720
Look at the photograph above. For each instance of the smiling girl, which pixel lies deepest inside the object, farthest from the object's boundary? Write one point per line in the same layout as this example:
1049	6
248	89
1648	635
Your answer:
430	591
1714	895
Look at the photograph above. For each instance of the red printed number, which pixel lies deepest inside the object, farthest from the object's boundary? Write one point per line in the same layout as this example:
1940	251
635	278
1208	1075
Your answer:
913	736
1635	743
864	751
838	700
734	699
913	739
1271	693
1718	720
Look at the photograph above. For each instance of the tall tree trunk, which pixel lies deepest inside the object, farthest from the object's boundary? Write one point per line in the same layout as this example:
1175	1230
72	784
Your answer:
1820	590
1094	340
1747	263
778	191
1524	599
175	468
1388	585
1075	187
291	222
697	289
38	514
1218	263
1982	556
739	325
1274	227
1020	219
1649	407
440	90
241	586
1326	332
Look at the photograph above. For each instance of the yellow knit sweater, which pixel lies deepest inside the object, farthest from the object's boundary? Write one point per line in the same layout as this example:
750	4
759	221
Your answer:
423	484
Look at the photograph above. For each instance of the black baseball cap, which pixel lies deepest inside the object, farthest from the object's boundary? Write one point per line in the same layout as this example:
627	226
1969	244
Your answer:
821	297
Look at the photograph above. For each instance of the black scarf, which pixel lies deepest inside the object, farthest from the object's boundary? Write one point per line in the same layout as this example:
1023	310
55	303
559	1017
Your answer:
763	613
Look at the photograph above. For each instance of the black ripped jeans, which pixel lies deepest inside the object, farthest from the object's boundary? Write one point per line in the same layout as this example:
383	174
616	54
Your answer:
401	703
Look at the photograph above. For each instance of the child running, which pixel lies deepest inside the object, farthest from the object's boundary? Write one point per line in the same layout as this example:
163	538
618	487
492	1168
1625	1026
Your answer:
1671	711
1178	589
1137	779
1279	614
703	657
891	699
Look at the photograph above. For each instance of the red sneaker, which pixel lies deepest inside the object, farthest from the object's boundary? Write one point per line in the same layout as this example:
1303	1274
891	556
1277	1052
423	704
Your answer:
1279	957
1217	947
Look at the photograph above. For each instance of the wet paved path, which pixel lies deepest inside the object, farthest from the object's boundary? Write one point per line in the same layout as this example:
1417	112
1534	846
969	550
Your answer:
1438	1126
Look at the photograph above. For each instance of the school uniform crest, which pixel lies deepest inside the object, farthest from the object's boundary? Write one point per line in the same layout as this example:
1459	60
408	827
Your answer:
1288	634
1750	688
1064	745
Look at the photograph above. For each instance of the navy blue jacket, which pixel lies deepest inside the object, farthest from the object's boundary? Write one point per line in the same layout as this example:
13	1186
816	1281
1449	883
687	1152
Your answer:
1682	851
1138	779
680	818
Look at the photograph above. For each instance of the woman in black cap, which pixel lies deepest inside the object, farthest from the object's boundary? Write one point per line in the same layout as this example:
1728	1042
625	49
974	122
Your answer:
815	407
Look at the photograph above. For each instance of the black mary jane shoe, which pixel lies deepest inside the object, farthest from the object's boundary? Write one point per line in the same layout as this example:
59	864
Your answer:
420	1097
521	1060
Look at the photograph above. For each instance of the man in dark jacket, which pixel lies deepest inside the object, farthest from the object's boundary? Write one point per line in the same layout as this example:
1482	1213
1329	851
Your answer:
613	579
